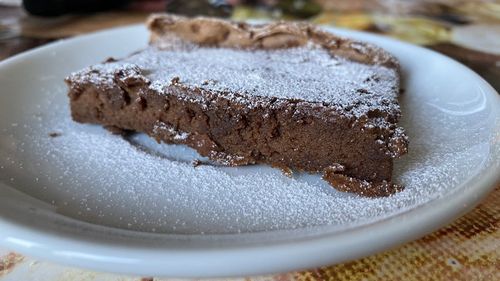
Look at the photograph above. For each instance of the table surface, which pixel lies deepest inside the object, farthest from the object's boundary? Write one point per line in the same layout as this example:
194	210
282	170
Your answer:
467	249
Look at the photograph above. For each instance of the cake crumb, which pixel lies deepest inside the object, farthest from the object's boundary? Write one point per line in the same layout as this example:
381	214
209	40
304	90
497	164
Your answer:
55	134
110	59
286	171
175	80
117	131
196	163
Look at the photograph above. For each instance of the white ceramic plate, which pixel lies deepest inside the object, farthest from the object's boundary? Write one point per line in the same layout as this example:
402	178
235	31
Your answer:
91	199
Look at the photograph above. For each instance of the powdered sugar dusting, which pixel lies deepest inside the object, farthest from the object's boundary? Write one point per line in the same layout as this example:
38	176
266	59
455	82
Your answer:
306	73
98	177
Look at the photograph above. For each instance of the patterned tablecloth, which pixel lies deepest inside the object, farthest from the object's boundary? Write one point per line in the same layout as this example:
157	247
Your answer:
469	31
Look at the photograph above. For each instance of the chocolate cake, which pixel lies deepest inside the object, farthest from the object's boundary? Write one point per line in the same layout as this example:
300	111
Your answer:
287	94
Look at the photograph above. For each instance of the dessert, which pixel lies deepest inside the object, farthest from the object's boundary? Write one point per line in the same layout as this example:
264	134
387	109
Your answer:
287	94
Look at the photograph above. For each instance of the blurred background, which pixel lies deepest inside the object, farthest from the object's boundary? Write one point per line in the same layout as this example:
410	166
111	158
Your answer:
467	30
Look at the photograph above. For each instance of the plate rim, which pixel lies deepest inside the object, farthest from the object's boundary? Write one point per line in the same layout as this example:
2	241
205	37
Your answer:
482	182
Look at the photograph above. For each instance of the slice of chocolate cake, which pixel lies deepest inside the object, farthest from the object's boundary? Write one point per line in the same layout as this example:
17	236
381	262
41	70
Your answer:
285	94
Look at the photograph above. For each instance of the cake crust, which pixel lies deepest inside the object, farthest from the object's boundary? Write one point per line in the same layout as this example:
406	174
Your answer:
349	134
170	30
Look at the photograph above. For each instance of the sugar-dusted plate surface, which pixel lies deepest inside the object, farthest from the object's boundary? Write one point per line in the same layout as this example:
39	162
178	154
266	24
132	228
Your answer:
76	194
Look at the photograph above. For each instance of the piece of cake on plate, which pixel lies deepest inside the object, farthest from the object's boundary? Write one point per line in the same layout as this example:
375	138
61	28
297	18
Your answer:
287	94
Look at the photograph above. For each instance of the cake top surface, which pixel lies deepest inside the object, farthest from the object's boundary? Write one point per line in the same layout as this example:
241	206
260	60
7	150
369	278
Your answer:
302	73
307	73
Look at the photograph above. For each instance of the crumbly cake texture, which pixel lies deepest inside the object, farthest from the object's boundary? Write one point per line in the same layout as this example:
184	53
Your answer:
285	94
